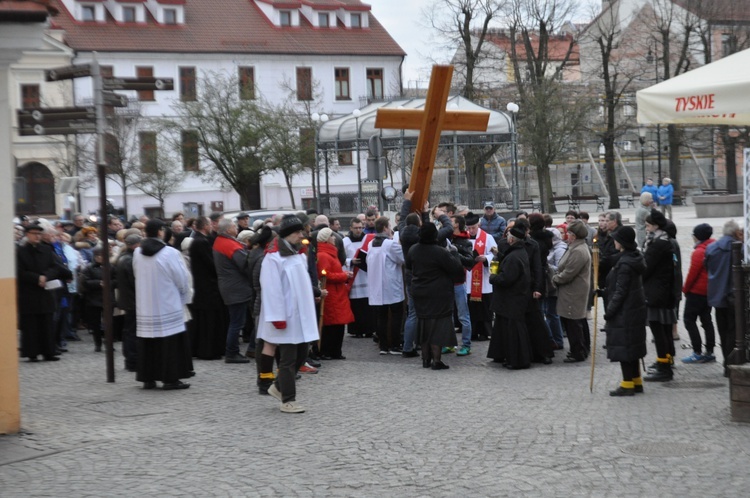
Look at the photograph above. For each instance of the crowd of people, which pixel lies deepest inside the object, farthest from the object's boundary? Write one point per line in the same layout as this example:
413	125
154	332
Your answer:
291	287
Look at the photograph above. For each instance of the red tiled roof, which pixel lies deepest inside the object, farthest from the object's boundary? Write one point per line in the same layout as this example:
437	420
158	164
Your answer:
717	10
557	47
228	26
25	10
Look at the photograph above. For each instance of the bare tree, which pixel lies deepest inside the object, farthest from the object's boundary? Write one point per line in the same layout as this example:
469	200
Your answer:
550	109
228	133
122	148
159	175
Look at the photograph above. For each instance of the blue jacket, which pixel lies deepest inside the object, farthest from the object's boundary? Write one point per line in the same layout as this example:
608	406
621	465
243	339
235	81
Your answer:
718	262
651	189
665	191
495	226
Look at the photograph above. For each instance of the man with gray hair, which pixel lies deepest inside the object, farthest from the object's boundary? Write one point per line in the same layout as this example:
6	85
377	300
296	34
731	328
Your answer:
125	296
718	262
235	285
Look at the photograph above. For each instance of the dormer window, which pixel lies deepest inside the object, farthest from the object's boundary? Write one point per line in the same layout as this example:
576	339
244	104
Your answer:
356	20
128	14
323	20
88	13
170	16
285	18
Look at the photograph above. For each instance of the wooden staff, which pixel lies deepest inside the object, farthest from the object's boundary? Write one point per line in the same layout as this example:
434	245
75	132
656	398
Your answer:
595	262
322	308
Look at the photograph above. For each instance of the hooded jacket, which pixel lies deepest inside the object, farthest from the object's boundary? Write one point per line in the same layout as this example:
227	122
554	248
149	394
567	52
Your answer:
626	309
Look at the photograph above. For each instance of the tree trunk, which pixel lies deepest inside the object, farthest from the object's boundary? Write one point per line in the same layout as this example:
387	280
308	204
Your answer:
545	188
125	201
675	173
250	193
474	168
611	172
289	189
730	159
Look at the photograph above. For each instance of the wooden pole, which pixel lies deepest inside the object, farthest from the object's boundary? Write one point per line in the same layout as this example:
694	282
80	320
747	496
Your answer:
595	262
322	309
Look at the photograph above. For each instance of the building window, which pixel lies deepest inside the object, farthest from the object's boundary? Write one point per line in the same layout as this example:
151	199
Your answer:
304	83
323	20
247	83
145	72
342	83
356	20
88	13
190	160
107	71
627	145
628	110
345	157
187	84
128	14
170	16
148	151
375	83
285	18
30	98
728	44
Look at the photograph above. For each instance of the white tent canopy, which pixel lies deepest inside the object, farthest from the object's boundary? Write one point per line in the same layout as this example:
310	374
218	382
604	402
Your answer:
344	129
715	94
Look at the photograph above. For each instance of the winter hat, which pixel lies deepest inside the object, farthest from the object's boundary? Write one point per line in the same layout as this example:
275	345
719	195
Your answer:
702	232
520	229
626	237
428	233
289	224
578	228
263	236
324	234
153	227
471	219
303	218
656	218
34	226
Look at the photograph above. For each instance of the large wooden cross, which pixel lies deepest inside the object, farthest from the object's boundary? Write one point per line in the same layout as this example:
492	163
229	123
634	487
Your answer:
430	122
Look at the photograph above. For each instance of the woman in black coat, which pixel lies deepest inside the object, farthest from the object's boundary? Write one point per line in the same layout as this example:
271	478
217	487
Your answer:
435	271
511	287
658	284
626	312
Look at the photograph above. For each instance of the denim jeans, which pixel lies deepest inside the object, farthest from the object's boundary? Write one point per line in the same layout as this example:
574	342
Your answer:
549	306
410	325
462	310
237	317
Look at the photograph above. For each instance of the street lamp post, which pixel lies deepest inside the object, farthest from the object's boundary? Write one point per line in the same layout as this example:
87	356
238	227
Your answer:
513	110
357	113
642	140
319	120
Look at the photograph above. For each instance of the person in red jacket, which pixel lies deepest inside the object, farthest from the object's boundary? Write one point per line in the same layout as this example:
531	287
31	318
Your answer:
695	289
337	312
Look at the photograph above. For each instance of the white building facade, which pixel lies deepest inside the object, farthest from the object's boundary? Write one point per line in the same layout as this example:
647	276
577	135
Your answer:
346	54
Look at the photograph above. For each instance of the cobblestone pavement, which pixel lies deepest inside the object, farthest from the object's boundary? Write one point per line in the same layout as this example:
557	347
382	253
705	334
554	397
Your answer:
377	426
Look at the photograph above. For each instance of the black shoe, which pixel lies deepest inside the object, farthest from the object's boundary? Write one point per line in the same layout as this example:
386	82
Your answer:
325	357
98	348
234	359
171	386
622	391
547	361
638	389
149	385
313	362
51	358
409	354
250	354
263	386
573	359
663	373
73	338
426	363
439	365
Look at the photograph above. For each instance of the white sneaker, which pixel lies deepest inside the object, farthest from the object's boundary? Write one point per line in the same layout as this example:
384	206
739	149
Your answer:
292	407
273	391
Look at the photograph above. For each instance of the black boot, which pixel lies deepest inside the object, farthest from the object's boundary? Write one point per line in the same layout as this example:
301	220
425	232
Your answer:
263	386
623	391
662	373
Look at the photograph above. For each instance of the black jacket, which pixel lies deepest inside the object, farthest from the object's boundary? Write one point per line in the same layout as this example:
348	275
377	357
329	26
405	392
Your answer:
91	278
203	269
511	286
543	239
125	281
435	271
31	263
658	280
538	281
626	309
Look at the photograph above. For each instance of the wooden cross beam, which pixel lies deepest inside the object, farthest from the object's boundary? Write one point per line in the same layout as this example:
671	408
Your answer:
430	122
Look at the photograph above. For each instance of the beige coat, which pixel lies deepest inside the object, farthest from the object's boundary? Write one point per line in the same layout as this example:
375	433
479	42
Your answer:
572	281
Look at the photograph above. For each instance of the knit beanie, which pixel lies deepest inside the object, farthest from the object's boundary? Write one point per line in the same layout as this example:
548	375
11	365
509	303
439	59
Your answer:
289	224
703	232
324	234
